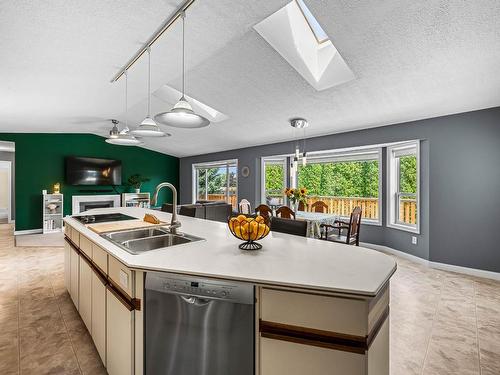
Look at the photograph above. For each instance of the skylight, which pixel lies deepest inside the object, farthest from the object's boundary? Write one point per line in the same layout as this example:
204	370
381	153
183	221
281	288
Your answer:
297	36
170	95
316	28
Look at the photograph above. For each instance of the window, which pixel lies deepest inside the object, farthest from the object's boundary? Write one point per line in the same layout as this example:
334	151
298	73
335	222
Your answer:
274	181
344	181
216	181
403	186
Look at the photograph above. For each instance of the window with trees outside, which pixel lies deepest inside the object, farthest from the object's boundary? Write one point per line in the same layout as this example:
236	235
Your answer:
216	181
344	181
403	183
274	173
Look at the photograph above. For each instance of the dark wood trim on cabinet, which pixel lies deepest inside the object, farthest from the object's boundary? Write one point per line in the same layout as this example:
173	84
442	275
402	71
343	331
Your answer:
71	243
124	298
313	337
320	338
124	301
135	302
376	328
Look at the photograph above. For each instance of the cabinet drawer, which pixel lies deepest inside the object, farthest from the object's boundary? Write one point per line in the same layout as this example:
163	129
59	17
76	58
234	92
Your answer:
67	230
100	258
340	315
86	246
120	275
75	237
289	358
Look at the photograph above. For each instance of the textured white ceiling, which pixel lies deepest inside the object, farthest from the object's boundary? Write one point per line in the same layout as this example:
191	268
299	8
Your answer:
411	59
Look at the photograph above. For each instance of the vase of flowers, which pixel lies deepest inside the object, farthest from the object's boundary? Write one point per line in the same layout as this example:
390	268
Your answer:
295	196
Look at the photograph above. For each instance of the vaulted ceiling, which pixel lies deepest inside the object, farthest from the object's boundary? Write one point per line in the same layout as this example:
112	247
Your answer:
411	60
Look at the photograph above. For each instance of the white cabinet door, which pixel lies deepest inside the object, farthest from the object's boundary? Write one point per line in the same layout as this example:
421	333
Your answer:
67	266
74	275
119	336
85	293
98	330
289	358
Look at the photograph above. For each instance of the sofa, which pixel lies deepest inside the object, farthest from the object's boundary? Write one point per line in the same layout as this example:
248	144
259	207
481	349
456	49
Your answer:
208	210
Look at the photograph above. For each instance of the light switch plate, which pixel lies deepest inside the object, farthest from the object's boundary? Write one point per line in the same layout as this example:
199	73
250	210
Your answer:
124	279
414	240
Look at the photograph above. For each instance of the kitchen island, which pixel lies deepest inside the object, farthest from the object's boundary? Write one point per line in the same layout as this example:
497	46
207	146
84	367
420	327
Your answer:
321	307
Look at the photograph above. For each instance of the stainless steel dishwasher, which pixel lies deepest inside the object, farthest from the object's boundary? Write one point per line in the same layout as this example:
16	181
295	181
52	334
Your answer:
198	326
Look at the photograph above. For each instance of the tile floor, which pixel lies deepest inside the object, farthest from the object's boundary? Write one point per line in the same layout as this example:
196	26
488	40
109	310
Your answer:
441	323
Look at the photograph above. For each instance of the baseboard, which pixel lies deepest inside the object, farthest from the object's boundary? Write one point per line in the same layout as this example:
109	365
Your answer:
28	231
441	266
399	253
465	270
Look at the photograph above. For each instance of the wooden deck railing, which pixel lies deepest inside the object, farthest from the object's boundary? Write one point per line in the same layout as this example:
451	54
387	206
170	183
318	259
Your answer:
408	211
343	206
222	197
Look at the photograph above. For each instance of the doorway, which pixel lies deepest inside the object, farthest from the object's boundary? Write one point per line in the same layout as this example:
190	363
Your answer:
5	192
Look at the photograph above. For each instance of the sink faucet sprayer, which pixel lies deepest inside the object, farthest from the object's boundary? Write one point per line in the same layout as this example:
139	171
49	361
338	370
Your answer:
174	223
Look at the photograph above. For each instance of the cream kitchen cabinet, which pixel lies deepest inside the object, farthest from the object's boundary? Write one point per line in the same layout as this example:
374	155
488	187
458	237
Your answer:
119	334
98	330
319	333
74	275
67	266
85	292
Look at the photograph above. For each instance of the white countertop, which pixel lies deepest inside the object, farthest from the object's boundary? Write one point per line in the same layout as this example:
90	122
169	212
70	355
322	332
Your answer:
284	260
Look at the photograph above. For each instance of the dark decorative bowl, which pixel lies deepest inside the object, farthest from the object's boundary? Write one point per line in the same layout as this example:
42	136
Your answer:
249	230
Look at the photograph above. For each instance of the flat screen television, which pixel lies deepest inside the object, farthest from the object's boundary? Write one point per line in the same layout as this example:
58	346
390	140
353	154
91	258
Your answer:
93	171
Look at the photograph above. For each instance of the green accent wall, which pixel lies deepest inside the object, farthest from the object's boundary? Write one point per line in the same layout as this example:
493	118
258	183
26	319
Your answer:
39	160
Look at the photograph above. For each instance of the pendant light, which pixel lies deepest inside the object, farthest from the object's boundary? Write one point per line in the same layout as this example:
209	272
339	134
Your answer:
182	114
148	126
123	138
299	123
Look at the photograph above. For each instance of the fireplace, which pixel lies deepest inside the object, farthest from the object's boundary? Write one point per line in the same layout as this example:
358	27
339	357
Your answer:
81	203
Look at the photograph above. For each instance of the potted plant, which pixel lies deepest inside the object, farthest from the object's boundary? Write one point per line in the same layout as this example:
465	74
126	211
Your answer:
136	181
295	196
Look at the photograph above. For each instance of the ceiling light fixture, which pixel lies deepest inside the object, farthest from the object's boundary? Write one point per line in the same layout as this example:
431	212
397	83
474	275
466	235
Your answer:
148	126
182	114
299	123
123	138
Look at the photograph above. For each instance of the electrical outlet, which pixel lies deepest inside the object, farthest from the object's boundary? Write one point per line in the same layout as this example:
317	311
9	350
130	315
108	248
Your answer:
414	240
123	279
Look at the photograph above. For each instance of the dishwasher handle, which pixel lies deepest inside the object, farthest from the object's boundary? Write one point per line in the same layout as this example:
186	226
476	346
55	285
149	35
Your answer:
196	301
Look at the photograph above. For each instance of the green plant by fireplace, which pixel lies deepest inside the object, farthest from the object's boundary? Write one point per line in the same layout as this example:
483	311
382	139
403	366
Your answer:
136	181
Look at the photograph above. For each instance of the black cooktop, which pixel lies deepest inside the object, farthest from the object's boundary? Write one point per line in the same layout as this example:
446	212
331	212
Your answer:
102	218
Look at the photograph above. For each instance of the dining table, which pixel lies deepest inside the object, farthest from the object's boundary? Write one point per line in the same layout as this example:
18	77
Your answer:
314	220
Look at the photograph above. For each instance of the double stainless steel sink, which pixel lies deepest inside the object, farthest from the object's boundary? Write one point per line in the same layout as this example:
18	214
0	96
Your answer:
137	241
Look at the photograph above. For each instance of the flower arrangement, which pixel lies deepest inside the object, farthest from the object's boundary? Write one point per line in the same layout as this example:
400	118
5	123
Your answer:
296	195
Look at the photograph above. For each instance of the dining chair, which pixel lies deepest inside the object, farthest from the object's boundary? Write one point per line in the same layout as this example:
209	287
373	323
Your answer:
352	227
289	226
319	206
245	207
264	211
285	212
302	206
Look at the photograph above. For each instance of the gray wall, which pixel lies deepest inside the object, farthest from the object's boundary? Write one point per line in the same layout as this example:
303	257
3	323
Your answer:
460	184
10	156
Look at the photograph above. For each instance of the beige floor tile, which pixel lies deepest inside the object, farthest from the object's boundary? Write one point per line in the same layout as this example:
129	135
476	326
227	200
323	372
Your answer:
441	323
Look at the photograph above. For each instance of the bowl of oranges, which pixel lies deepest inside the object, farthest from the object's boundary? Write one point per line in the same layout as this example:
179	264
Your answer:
248	229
